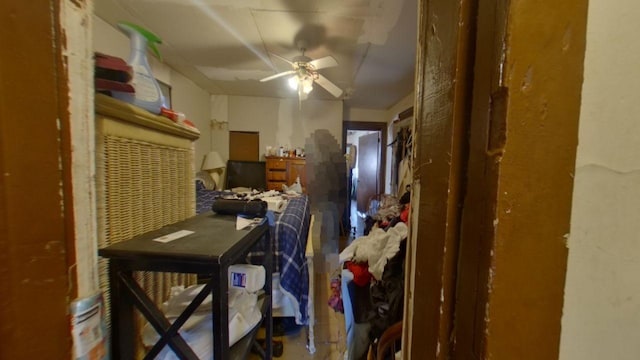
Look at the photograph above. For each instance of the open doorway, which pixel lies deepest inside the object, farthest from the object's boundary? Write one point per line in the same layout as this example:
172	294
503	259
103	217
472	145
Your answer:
364	146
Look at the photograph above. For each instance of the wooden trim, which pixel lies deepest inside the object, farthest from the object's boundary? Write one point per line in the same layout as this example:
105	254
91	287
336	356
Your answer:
441	118
36	205
109	106
372	126
513	253
405	114
66	150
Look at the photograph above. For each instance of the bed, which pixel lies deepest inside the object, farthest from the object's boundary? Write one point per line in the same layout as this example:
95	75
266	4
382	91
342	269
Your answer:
293	258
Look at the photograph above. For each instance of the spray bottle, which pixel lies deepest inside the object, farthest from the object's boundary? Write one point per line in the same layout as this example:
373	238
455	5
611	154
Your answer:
147	91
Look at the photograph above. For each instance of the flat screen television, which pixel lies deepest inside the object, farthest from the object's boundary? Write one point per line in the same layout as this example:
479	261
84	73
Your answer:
249	174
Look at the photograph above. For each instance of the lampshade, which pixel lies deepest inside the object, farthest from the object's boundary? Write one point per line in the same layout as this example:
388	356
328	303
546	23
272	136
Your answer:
212	161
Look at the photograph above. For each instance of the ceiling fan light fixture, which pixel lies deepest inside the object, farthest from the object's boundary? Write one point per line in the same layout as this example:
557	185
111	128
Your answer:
307	85
305	74
293	82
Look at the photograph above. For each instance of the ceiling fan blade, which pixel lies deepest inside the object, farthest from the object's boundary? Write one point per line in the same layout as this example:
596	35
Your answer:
285	73
324	62
282	58
329	86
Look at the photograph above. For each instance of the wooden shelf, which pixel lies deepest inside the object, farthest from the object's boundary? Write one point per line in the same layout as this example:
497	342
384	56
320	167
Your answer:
118	109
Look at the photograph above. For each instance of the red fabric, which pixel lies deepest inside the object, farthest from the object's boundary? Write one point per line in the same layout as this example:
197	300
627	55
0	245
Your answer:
360	271
404	215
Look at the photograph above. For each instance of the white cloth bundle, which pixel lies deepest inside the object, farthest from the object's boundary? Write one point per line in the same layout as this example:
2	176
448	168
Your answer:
376	248
244	315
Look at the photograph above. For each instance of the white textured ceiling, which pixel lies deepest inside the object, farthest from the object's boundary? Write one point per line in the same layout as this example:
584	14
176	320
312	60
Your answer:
224	45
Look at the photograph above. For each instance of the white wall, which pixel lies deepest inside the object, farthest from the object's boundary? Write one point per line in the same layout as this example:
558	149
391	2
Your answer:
387	116
357	114
602	294
283	121
220	124
195	103
400	106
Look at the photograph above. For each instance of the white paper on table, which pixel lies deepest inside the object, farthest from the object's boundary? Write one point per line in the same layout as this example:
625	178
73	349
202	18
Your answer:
173	236
242	223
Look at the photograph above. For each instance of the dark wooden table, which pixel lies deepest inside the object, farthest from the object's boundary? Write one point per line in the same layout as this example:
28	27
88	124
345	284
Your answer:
210	250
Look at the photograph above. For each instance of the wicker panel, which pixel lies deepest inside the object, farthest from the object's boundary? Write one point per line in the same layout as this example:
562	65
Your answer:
142	186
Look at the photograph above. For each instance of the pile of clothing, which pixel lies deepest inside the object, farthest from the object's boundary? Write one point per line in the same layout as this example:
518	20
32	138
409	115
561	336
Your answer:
388	211
374	284
372	251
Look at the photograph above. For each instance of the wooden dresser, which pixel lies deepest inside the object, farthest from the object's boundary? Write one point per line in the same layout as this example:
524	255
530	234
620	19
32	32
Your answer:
284	171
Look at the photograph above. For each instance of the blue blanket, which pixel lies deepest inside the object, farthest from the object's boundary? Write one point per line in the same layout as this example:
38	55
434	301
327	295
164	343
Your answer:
204	198
290	233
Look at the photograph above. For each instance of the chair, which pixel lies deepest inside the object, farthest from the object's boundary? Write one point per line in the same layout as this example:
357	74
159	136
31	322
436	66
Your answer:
388	344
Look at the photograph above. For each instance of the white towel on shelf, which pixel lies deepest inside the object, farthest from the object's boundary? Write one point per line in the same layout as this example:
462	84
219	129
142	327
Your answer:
244	315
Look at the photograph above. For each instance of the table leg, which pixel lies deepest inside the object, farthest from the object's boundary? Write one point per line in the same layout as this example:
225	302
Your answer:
122	324
220	309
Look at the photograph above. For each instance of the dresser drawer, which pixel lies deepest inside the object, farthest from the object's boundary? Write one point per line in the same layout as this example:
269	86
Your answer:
272	185
276	175
285	171
276	164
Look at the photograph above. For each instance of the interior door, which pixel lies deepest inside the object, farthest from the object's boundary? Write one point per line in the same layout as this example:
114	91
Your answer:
368	168
244	145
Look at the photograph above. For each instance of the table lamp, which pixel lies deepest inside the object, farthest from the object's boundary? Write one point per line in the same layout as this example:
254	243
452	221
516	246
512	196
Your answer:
212	163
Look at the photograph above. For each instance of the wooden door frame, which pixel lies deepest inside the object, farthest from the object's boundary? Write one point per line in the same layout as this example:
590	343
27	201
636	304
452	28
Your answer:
369	126
366	126
37	237
486	256
444	71
513	250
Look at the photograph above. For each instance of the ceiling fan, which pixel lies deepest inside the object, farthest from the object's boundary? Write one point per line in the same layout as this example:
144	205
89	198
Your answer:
305	73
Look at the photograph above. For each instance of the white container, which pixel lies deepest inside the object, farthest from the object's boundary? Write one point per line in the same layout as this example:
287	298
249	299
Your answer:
248	277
